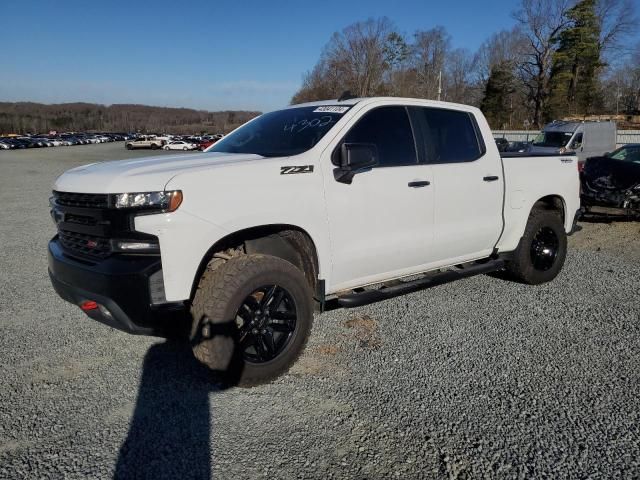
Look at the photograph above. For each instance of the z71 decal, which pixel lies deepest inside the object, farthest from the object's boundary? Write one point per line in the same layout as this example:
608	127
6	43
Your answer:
296	169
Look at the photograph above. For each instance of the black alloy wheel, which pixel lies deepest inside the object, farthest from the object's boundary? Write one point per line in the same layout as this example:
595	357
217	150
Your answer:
267	319
544	249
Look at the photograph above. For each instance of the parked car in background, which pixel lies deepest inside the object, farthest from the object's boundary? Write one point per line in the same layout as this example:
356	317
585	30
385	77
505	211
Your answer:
38	142
502	144
165	138
519	147
611	183
204	144
586	139
180	145
15	143
143	142
4	146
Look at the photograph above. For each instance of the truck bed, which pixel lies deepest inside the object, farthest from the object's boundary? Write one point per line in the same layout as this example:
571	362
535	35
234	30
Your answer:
531	177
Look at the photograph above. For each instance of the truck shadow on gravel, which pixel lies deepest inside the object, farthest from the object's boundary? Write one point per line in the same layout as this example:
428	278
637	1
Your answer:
169	433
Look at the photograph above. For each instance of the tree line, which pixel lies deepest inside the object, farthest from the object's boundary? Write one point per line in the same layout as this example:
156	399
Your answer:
27	117
561	58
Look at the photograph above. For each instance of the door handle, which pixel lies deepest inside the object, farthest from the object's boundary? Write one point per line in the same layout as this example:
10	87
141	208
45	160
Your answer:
491	178
419	183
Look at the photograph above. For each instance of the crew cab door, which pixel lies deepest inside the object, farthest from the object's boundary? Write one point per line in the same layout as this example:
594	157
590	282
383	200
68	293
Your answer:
381	224
468	183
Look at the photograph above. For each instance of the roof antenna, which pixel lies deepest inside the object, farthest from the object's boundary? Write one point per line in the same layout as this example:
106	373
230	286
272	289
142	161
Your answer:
346	95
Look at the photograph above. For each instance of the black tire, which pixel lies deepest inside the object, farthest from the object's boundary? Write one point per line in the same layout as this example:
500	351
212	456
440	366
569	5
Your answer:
542	249
154	146
129	146
219	336
185	149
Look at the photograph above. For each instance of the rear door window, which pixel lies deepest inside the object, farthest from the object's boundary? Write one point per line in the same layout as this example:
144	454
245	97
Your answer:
447	136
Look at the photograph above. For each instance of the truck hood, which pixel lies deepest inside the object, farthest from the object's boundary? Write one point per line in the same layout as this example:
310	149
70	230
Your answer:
145	174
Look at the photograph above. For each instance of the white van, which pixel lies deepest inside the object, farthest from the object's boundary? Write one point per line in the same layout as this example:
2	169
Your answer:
586	139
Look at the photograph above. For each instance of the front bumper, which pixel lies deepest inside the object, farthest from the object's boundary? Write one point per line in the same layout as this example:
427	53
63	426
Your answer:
120	284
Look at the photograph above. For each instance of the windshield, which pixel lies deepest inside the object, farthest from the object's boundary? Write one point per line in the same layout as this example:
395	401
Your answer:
552	139
282	133
628	154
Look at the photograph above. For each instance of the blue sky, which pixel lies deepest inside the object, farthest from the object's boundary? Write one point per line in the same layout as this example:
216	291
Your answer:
199	54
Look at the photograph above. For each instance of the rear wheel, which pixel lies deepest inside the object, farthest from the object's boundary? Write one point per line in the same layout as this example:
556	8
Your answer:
154	146
542	249
252	315
129	146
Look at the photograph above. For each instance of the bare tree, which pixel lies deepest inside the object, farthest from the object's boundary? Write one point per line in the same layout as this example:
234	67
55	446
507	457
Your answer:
622	86
458	73
359	58
359	54
505	46
617	20
540	21
429	51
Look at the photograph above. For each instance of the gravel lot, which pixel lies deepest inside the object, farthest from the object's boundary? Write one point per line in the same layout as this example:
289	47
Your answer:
478	378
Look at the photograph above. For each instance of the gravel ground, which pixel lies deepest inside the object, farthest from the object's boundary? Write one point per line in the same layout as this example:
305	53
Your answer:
478	378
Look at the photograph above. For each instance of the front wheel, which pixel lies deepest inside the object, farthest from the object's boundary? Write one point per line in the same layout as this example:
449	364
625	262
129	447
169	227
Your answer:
542	249
252	315
165	148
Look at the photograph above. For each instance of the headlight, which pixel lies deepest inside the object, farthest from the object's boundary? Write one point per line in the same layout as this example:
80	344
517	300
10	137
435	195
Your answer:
166	201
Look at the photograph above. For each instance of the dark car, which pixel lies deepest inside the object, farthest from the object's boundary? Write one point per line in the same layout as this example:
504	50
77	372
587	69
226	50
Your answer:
611	183
519	147
502	144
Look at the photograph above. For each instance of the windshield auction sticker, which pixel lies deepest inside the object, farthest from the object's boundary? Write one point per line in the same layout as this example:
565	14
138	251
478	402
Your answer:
331	109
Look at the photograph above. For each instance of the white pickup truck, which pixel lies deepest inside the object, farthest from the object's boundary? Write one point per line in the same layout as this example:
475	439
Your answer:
335	202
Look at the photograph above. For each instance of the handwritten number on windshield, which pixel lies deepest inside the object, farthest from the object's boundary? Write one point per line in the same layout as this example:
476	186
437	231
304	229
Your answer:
303	124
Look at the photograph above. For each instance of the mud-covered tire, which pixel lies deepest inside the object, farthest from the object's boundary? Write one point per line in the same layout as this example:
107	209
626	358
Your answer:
215	332
542	249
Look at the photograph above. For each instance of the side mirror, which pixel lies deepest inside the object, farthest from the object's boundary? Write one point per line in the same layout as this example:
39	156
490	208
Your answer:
355	157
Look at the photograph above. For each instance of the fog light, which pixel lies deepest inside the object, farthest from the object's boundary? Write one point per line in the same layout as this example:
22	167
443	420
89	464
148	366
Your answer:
137	246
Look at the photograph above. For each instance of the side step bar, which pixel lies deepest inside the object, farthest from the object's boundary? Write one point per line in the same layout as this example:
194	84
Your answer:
365	297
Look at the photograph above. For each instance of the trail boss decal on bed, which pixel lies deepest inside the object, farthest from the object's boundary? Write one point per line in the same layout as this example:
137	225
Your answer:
296	169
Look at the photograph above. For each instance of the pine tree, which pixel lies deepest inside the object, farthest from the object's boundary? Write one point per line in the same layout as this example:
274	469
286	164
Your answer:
576	64
496	101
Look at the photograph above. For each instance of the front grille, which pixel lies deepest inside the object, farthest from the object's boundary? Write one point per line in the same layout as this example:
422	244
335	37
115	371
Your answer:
86	200
85	245
88	226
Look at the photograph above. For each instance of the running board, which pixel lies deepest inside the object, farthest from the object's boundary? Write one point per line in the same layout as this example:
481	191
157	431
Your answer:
365	297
